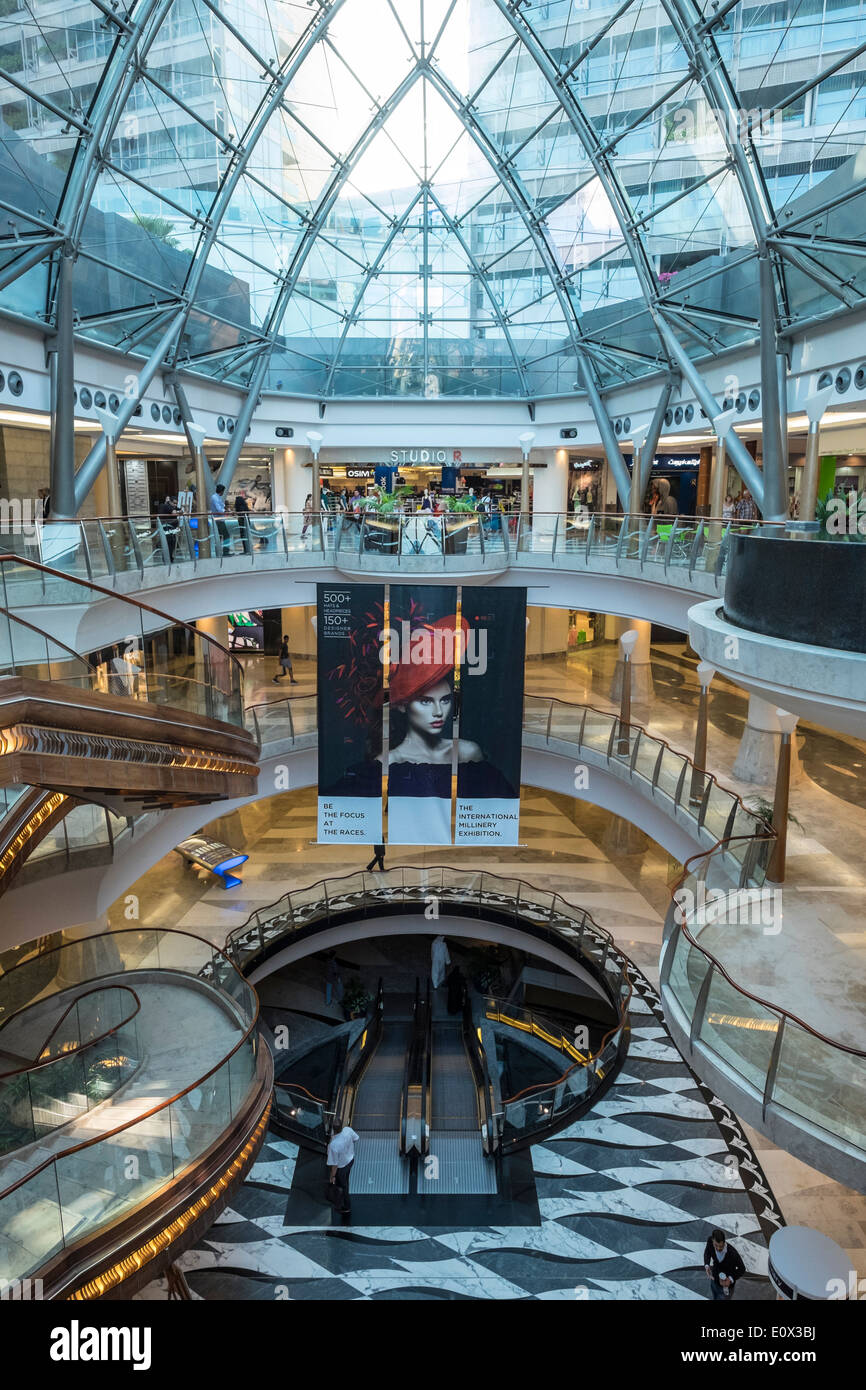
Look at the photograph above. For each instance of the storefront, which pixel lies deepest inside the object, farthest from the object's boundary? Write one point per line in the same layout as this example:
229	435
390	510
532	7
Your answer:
443	472
586	483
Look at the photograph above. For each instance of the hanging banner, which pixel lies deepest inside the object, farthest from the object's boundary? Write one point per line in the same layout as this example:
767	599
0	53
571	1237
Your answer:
491	716
424	651
349	622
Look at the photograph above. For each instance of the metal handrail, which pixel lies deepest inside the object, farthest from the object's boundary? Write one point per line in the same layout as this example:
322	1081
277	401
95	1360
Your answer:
163	1104
741	989
39	1060
167	618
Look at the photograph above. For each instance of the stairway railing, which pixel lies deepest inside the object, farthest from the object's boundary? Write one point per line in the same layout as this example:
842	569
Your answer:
168	1138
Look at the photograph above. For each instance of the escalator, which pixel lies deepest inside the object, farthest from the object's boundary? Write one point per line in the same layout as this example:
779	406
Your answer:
463	1134
417	1091
371	1101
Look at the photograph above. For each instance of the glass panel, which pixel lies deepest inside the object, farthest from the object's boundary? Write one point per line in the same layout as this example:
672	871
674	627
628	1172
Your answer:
739	1031
688	969
31	1230
822	1083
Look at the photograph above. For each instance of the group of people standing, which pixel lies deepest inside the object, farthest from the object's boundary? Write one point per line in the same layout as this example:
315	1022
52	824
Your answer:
741	508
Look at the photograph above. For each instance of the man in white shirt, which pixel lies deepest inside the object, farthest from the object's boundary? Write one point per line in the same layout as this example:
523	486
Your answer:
341	1156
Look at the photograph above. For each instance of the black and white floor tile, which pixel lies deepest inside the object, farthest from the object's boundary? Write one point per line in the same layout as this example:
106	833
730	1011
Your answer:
627	1197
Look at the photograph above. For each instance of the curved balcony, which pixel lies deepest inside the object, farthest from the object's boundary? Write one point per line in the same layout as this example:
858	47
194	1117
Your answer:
154	719
783	633
135	1174
84	1058
800	1085
633	774
187	562
469	903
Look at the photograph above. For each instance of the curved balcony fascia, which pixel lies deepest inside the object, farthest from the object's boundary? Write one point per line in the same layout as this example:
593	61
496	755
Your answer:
822	684
665	572
550	762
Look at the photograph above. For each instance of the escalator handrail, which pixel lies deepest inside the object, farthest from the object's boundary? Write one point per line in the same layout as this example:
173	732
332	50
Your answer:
408	1068
350	1082
588	1062
477	1056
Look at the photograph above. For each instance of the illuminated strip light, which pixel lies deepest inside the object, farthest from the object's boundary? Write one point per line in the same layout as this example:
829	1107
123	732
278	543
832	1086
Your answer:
137	1259
756	1025
43	813
559	1043
31	738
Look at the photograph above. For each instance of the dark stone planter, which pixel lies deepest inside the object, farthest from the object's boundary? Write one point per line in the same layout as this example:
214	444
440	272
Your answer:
800	591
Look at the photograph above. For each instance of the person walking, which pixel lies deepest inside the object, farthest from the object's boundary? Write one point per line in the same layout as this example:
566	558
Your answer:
341	1156
242	512
745	508
285	660
217	508
333	980
440	961
378	858
308	514
723	1266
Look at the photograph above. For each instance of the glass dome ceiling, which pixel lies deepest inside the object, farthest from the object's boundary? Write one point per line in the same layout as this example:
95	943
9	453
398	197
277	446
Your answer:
428	198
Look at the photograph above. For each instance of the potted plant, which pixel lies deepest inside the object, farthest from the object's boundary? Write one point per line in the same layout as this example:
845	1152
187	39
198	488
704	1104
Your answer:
356	1000
456	541
764	811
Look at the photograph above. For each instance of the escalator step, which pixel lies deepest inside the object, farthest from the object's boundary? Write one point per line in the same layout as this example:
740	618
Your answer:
378	1168
458	1167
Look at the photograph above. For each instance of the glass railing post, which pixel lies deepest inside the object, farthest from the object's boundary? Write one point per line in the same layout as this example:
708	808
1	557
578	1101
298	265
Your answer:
701	1005
773	1068
163	541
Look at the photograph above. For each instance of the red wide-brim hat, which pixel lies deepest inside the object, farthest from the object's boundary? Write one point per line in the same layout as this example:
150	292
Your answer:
409	679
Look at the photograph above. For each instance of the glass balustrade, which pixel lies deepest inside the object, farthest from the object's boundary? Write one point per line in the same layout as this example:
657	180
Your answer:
75	1193
157	660
88	1054
783	1063
103	550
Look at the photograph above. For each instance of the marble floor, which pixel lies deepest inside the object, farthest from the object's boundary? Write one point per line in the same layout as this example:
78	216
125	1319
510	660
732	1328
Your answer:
625	1200
624	880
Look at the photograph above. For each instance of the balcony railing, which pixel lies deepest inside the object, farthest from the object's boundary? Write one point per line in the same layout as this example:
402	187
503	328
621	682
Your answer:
152	549
70	1196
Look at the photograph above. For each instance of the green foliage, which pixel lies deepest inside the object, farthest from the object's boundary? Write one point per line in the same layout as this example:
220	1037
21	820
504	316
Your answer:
764	811
356	1000
159	227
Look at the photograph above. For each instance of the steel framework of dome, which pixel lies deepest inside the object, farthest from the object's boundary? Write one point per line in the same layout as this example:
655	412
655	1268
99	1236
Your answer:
427	198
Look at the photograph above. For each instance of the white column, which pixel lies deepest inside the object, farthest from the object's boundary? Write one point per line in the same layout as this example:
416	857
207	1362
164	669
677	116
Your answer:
291	480
642	688
758	755
549	491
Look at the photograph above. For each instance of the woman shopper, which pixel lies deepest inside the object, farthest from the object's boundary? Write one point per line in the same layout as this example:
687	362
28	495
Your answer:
285	660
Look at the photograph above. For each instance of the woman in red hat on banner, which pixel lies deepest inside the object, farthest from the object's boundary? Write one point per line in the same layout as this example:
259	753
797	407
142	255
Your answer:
421	703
